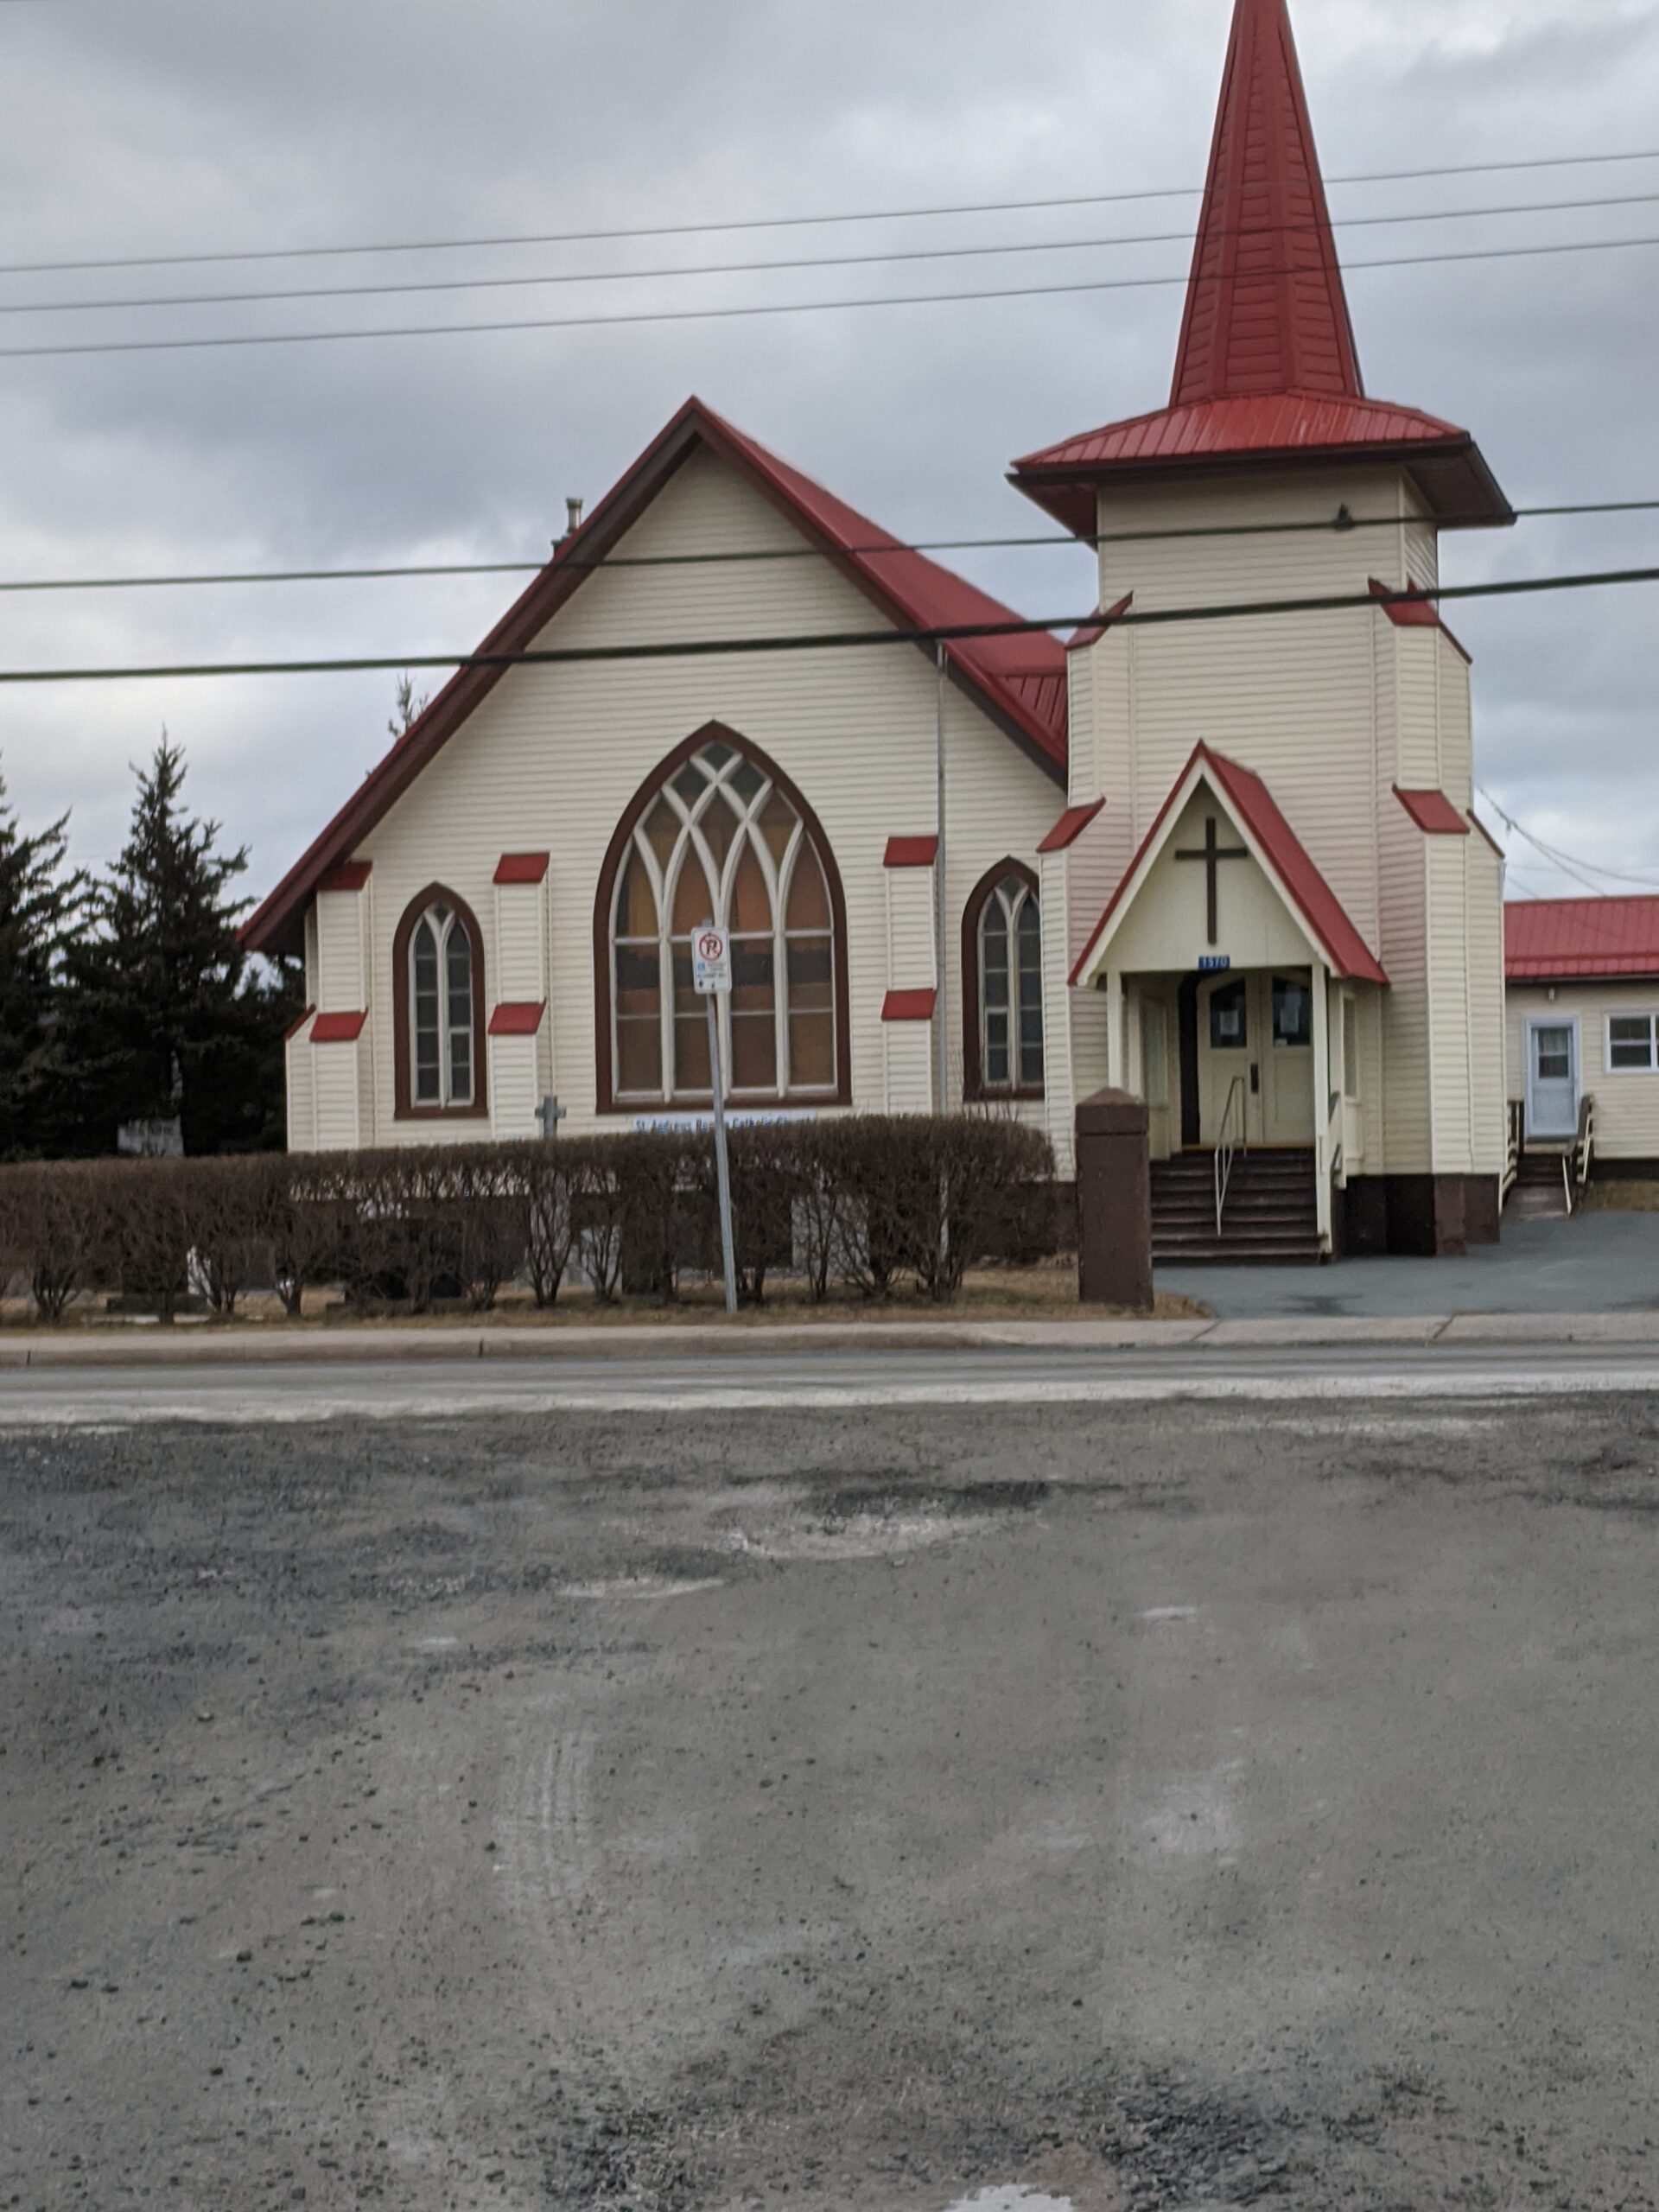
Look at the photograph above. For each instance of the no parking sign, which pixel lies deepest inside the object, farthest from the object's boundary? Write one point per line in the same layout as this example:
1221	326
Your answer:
711	962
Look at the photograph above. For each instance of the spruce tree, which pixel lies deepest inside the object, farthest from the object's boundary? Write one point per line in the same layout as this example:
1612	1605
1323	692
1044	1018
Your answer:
165	1018
42	901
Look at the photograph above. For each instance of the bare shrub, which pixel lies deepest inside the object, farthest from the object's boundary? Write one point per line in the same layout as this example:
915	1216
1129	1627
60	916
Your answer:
53	1232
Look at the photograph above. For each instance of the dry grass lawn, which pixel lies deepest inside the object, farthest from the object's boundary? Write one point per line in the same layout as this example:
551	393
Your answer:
1608	1195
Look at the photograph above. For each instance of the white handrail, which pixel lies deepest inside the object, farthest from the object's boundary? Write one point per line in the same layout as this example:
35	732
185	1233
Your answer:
1226	1145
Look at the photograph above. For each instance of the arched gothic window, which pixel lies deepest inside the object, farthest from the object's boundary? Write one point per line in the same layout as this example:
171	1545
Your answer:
1003	970
722	836
438	959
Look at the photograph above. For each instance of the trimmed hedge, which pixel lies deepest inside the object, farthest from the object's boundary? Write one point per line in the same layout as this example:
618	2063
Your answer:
866	1203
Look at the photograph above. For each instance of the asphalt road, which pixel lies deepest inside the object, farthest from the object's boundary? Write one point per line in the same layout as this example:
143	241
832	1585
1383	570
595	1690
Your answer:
1123	1804
823	1382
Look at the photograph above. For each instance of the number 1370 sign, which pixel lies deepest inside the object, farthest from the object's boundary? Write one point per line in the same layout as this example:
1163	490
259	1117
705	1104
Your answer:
711	962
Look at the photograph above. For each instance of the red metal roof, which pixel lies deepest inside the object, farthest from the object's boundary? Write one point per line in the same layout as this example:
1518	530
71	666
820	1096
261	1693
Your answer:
1266	367
908	1006
1265	308
1547	939
522	868
350	876
1256	813
1026	675
521	1020
1069	827
338	1028
1433	813
1021	682
910	852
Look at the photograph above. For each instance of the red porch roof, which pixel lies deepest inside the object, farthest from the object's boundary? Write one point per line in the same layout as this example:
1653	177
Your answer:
1256	812
1546	940
1021	682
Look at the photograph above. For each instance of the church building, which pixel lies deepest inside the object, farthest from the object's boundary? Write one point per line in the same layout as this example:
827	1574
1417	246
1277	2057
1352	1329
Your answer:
1228	863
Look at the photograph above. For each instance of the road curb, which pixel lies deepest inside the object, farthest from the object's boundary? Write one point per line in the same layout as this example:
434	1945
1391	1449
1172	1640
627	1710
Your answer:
659	1341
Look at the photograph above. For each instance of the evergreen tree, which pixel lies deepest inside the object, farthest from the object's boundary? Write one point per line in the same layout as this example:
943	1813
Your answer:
165	1018
43	902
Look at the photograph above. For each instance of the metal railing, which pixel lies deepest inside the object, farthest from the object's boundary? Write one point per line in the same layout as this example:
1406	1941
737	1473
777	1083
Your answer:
1512	1158
1227	1144
1577	1160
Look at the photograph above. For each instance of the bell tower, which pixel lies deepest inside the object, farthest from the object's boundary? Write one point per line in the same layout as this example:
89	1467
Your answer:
1272	476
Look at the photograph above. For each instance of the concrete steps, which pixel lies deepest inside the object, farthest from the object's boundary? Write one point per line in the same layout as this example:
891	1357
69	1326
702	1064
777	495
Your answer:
1270	1215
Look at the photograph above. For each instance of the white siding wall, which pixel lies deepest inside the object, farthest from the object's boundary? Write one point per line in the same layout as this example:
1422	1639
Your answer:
555	754
302	1091
336	1073
1450	1069
515	1088
521	941
1489	1130
342	924
1292	698
1332	710
1627	1103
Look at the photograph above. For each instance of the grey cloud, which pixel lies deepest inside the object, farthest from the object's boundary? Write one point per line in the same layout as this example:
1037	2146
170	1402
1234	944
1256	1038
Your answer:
185	125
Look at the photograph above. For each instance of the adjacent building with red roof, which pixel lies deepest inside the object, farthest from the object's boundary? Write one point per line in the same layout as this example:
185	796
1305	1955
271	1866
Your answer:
1584	1020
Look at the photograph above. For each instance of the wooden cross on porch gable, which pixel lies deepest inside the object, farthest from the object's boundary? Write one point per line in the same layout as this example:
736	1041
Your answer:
1212	855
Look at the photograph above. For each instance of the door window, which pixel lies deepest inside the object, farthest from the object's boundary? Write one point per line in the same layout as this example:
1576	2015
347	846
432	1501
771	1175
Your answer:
1552	1054
1228	1023
1292	1012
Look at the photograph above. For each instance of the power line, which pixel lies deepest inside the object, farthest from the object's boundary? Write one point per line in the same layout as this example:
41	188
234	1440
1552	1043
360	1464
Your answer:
1337	526
783	222
800	262
1569	864
659	316
831	641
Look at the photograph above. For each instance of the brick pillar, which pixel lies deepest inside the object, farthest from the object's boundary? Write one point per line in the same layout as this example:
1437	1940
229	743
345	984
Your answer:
1113	1202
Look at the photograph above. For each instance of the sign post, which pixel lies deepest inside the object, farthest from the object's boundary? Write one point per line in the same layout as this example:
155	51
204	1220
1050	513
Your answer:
711	976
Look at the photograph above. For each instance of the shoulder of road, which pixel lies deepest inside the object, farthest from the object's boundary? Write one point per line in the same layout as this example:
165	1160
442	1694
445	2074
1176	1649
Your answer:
199	1345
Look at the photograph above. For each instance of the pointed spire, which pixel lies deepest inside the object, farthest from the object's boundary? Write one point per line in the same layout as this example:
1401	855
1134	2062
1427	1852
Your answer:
1266	311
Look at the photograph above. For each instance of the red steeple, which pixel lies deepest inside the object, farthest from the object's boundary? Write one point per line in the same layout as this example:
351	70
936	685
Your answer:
1265	309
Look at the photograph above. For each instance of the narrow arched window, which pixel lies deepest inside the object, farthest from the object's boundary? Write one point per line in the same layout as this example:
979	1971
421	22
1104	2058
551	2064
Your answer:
440	979
1002	967
439	954
722	836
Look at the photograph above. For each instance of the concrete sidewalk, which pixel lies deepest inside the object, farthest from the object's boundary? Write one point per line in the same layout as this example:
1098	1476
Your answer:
279	1345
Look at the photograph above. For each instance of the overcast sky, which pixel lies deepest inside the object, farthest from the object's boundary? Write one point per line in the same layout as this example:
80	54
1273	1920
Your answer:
140	127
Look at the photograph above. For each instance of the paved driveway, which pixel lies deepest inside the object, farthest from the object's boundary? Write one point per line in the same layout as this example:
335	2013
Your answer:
1600	1263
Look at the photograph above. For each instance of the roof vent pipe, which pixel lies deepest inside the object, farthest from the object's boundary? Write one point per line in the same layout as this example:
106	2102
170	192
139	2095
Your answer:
573	517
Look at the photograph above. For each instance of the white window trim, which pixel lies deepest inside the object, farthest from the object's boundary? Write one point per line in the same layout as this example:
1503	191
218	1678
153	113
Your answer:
779	877
1634	1014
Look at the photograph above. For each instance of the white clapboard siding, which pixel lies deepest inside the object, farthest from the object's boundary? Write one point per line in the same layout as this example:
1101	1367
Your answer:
339	1119
1060	1095
341	966
1417	744
1296	698
1627	1101
1403	1144
555	754
515	1087
1488	1136
911	931
521	942
1450	1070
298	1056
908	1079
1456	722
